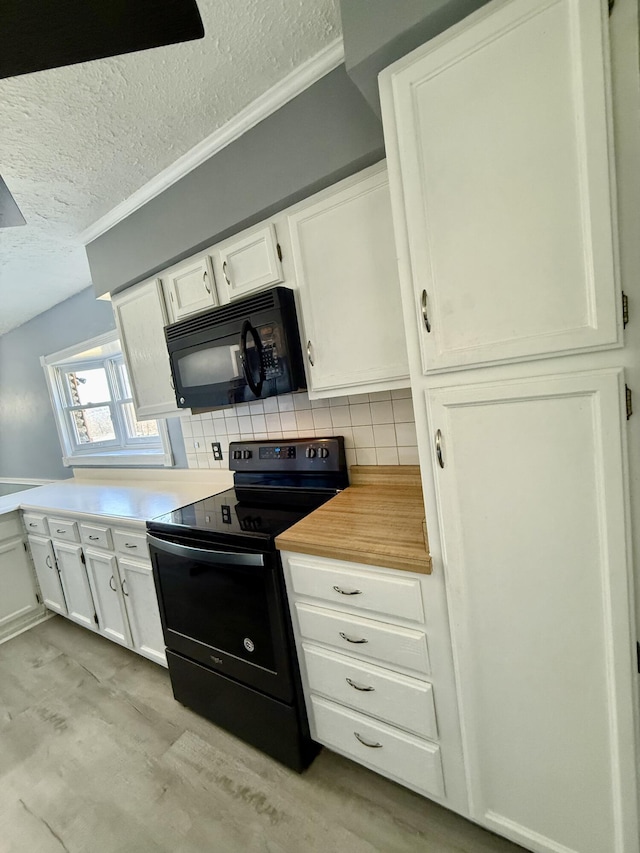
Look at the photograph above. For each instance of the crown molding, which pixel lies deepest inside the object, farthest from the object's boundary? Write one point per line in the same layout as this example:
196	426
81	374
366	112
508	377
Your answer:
293	84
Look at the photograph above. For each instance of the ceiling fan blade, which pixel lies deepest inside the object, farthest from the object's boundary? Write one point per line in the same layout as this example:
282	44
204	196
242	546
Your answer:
40	34
9	210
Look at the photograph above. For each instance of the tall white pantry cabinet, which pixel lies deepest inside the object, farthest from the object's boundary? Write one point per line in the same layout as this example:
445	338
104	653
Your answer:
513	150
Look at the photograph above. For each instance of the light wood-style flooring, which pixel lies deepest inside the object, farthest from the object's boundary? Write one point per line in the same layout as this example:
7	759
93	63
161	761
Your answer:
97	757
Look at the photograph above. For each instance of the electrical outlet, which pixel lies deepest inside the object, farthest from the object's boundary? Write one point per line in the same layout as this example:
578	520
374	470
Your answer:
217	450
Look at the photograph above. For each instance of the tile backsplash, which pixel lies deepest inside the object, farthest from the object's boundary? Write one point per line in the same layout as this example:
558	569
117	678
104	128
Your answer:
378	429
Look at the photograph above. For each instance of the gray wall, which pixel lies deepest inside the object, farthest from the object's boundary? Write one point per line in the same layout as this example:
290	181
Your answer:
377	33
324	134
29	445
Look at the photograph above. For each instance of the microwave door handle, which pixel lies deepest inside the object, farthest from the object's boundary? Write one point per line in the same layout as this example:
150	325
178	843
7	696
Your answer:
248	329
205	555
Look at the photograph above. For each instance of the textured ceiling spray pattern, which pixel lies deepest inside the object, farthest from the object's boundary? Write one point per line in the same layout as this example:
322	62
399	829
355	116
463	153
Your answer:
76	141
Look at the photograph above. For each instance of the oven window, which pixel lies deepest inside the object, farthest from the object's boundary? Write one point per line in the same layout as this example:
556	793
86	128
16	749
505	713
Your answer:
228	608
209	365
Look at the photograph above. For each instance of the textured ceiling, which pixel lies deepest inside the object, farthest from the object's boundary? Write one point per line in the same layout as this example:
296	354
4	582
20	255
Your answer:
76	141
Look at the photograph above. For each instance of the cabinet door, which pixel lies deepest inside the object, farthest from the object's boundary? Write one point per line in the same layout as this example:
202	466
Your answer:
249	262
499	151
107	596
532	514
47	573
345	262
141	317
75	584
17	588
190	288
142	609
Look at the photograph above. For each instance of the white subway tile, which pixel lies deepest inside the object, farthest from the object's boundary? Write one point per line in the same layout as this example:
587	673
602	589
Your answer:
192	460
387	455
351	457
347	434
232	425
288	421
203	460
305	420
366	456
218	414
242	409
290	433
244	422
233	436
270	405
360	414
273	422
261	436
384	435
321	418
363	436
258	423
197	429
408	456
285	402
354	399
256	407
301	401
340	416
379	396
403	411
221	428
319	404
381	413
406	435
401	394
246	436
325	433
186	427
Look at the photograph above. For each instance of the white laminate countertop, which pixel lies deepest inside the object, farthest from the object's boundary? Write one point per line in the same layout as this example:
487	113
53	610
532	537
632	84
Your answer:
129	500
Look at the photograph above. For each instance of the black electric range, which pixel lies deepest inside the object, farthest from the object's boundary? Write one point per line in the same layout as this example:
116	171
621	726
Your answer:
222	597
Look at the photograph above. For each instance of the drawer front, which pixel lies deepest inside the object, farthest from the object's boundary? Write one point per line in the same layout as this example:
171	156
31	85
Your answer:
36	523
63	528
96	536
338	583
364	638
393	753
131	544
396	699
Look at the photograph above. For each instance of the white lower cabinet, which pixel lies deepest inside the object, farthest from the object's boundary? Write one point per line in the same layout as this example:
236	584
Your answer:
107	596
107	587
44	561
365	680
18	594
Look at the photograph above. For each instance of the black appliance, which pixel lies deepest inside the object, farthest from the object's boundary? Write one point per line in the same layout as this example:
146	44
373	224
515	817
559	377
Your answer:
222	596
239	352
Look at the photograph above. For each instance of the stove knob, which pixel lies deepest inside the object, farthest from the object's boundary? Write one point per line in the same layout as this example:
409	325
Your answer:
247	454
310	453
323	452
237	454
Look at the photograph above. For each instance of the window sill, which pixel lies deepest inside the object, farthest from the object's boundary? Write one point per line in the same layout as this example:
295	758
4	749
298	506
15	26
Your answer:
120	459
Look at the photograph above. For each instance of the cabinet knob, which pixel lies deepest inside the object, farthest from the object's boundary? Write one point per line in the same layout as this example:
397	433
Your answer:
425	311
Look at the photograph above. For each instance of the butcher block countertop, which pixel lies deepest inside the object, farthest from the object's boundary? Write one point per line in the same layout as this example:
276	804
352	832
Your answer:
378	520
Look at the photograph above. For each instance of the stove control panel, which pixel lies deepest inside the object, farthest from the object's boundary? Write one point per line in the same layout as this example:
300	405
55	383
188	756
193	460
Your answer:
294	454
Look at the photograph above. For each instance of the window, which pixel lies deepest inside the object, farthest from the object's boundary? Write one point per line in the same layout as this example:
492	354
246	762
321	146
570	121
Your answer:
93	405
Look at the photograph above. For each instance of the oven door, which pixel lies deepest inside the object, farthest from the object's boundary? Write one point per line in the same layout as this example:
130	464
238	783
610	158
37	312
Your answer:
225	610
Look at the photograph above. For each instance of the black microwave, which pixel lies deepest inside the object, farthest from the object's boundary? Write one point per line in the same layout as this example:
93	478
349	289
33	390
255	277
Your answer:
237	353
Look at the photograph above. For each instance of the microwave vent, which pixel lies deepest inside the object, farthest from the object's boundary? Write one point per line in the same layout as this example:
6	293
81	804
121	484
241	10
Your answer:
227	313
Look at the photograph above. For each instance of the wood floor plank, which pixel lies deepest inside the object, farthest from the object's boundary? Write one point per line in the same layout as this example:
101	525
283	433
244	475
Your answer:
97	757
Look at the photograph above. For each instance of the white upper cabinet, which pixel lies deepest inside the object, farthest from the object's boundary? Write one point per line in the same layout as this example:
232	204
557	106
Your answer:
190	288
500	162
530	476
247	262
141	317
347	277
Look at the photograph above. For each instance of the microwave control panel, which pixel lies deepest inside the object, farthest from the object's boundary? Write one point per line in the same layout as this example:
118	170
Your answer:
270	338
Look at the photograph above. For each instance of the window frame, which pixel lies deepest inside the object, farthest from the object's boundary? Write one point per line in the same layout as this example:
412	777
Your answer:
123	451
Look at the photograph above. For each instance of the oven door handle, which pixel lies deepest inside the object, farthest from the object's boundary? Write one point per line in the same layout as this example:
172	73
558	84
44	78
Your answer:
205	555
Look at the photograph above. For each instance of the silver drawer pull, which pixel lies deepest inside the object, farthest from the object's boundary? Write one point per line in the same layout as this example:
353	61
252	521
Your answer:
94	538
59	530
224	273
48	561
359	687
126	545
351	639
309	354
112	583
347	591
204	279
367	743
33	524
425	311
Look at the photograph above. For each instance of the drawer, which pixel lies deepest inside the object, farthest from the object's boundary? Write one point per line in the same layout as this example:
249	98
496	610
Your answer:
396	699
133	544
403	757
343	584
96	536
35	523
63	528
365	638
